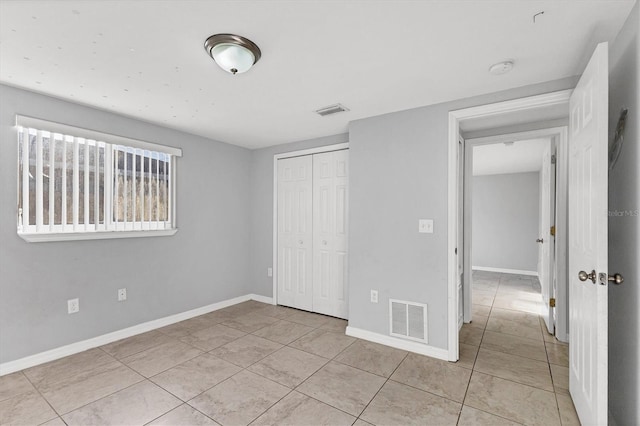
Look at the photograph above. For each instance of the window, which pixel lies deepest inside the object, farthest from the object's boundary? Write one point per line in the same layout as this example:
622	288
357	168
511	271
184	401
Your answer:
80	184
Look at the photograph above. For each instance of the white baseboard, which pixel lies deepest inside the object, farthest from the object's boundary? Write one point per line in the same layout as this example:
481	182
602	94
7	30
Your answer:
564	338
505	271
263	299
74	348
405	345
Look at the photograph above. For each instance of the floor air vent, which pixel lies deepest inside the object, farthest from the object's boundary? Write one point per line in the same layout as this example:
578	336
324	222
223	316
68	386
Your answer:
408	320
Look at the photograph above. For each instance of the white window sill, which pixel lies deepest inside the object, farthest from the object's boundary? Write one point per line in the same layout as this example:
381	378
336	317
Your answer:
74	236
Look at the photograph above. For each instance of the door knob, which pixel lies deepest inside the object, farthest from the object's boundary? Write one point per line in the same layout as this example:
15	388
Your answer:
616	278
540	240
583	276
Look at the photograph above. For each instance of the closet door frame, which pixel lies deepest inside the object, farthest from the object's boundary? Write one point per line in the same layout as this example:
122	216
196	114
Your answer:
276	157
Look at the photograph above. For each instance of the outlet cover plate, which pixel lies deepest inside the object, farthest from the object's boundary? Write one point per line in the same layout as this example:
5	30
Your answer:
374	296
425	226
73	306
122	294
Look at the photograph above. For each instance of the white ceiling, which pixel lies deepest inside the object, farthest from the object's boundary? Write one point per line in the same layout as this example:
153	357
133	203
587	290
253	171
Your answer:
145	59
499	158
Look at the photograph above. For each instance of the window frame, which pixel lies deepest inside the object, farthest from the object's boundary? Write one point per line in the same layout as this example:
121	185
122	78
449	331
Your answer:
112	143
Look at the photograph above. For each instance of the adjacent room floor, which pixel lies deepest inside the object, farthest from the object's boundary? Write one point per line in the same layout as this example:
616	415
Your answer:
258	364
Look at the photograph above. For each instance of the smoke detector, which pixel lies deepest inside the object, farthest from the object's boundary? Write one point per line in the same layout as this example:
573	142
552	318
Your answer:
501	67
331	109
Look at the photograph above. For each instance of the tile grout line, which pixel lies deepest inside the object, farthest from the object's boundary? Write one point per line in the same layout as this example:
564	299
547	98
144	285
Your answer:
555	394
42	396
475	359
144	378
91	402
266	378
291	390
378	391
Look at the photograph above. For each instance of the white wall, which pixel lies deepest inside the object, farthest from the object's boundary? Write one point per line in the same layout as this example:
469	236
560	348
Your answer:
205	262
624	228
506	215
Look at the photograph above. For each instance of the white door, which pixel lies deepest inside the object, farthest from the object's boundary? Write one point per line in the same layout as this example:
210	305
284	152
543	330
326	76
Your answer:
464	303
553	263
295	236
545	241
330	203
588	241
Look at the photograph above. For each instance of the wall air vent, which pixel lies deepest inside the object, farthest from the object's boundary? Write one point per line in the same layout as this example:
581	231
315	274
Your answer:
408	320
331	109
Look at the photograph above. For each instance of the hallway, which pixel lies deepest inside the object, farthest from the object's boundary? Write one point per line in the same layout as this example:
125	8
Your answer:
520	371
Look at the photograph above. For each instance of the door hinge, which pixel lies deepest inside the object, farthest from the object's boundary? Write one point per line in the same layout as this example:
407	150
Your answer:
553	159
552	302
552	231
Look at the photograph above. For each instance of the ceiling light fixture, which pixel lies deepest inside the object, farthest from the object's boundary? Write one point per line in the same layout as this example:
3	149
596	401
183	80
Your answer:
234	54
501	67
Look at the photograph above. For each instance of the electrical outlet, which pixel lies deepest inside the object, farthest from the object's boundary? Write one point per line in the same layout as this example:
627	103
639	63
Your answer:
73	305
374	296
122	294
270	272
425	226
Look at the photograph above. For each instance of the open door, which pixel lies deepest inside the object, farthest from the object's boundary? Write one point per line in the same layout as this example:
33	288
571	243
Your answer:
464	299
588	314
545	241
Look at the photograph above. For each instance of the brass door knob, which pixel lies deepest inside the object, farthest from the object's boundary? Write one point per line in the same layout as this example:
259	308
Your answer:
583	276
616	278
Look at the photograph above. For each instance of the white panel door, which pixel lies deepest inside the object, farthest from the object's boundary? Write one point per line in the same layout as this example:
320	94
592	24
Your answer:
330	204
545	238
463	303
588	314
295	233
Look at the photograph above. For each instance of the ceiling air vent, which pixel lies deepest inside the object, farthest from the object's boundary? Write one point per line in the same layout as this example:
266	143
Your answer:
331	109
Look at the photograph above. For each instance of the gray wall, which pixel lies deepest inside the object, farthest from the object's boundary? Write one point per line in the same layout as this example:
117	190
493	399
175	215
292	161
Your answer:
506	214
624	231
205	262
399	175
262	207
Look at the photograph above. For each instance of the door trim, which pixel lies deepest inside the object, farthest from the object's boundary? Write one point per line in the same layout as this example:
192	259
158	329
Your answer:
455	118
276	157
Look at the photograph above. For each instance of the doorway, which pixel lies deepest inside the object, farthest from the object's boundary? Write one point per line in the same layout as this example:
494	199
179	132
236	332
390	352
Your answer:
510	202
551	108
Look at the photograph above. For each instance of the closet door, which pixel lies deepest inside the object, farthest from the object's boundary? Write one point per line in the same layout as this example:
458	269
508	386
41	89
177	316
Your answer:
295	219
330	204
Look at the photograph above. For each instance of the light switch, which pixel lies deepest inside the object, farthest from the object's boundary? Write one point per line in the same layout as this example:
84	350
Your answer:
425	226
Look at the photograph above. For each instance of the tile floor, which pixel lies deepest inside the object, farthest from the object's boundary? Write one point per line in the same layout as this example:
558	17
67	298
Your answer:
265	365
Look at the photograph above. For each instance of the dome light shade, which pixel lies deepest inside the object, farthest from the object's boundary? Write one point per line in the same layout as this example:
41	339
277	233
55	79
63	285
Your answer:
234	54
